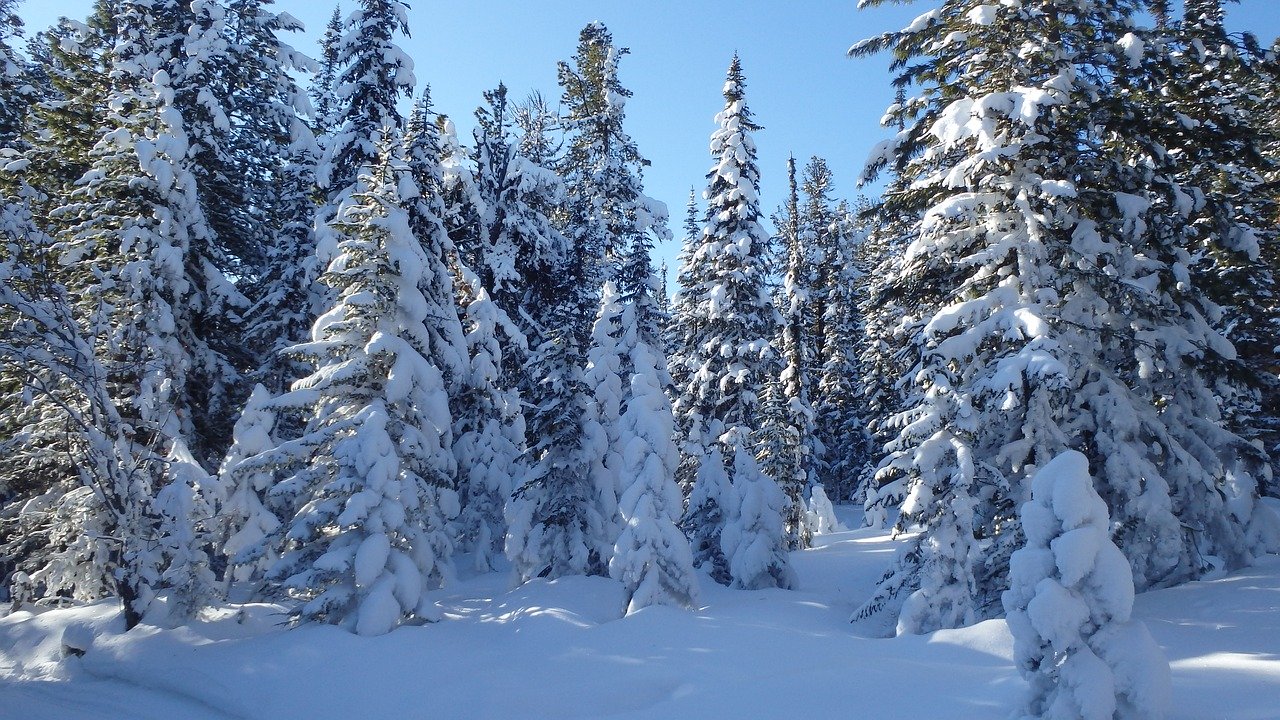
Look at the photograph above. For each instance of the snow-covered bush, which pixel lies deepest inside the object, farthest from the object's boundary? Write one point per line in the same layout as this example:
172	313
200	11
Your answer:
1069	608
821	515
245	521
752	539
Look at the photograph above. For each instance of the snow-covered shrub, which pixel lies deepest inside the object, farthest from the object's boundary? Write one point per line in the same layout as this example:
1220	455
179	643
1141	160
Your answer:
752	539
1069	608
821	515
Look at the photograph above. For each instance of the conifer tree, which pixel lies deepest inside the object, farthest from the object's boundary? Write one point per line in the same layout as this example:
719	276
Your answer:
374	74
680	374
783	455
1070	605
124	520
448	346
323	90
604	376
489	427
1048	215
727	323
651	557
249	528
371	487
72	115
90	531
558	522
1206	76
603	170
793	422
275	155
16	94
841	416
515	248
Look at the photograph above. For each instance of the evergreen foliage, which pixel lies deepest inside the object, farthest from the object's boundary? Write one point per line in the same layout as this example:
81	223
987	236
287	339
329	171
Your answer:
1047	215
370	484
1070	605
606	208
727	324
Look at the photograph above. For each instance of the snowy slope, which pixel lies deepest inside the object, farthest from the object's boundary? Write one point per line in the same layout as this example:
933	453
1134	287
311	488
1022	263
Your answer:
562	650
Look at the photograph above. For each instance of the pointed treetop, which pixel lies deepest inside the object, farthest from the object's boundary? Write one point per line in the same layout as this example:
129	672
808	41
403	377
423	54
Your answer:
692	225
735	85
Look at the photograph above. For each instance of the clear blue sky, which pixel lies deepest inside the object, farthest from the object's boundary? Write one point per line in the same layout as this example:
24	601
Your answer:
809	96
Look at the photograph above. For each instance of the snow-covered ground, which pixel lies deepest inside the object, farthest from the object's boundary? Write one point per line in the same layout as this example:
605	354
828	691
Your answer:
562	650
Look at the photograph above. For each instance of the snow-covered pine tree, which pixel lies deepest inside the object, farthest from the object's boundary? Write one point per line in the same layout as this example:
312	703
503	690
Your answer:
248	532
1055	231
16	93
1207	76
514	245
681	370
191	42
663	304
448	348
70	117
603	171
754	525
89	535
558	522
890	305
135	242
651	557
604	377
371	488
1069	606
539	125
783	455
816	227
285	291
837	405
489	426
374	74
275	154
727	323
40	493
323	89
791	429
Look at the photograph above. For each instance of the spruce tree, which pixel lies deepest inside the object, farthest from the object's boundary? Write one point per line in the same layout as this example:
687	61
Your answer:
514	245
371	484
727	324
323	90
651	557
71	118
95	531
374	74
16	93
489	426
1054	229
558	522
1207	77
427	210
793	423
1070	605
841	415
249	529
602	168
605	376
275	155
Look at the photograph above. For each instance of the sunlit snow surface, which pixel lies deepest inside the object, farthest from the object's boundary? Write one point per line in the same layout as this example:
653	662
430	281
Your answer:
562	650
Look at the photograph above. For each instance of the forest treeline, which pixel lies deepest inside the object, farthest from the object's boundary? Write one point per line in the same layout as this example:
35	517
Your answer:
268	342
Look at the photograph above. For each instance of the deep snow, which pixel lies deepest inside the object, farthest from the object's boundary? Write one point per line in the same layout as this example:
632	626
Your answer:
562	649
